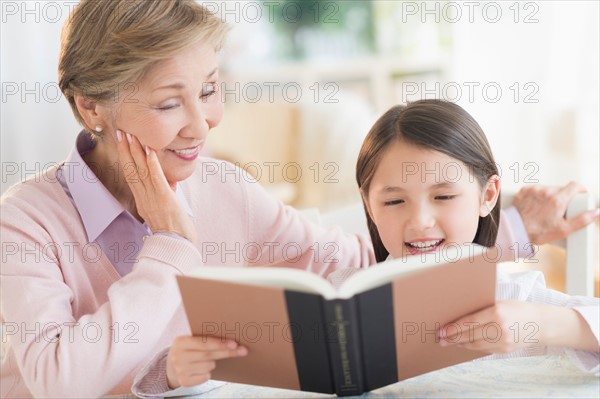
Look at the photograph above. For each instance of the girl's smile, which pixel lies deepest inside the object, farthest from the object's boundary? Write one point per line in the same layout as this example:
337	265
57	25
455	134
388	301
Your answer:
423	245
425	211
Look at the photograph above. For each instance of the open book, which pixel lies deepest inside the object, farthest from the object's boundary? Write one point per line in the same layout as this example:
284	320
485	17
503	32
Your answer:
381	325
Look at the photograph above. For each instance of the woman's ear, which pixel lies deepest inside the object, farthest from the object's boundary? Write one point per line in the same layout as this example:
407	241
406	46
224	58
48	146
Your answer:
92	113
490	195
365	200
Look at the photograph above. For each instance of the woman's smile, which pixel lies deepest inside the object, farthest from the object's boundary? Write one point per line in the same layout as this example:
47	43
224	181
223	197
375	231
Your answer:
188	153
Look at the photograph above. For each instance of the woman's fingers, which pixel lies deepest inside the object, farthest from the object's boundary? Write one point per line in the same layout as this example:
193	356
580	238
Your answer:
156	202
129	162
156	175
139	157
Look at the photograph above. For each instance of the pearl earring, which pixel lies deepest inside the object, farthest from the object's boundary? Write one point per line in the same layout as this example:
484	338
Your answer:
99	128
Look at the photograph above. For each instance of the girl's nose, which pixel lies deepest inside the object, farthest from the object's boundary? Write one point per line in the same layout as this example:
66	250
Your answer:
421	218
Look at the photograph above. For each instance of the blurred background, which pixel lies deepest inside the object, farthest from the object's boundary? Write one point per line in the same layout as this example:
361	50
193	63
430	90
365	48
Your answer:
303	81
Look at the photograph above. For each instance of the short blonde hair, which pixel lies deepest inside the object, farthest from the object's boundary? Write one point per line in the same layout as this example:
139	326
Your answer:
107	44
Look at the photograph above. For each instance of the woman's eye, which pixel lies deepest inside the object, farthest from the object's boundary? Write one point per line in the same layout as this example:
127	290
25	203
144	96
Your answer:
393	202
168	107
209	90
445	197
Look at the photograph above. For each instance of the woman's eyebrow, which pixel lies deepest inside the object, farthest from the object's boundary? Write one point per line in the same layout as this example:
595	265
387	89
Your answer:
212	73
179	85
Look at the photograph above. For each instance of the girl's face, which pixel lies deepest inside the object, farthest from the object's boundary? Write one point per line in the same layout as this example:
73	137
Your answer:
172	108
422	200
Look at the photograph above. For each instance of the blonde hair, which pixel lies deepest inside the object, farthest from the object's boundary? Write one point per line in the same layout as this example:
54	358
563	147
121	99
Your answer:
107	44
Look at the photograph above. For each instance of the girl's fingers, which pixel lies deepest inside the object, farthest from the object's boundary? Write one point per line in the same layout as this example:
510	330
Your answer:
203	342
203	356
193	379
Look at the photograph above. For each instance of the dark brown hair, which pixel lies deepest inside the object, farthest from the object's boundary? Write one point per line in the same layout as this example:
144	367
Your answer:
435	125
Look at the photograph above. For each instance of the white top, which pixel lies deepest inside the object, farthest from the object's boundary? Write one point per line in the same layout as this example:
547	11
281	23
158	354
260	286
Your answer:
531	287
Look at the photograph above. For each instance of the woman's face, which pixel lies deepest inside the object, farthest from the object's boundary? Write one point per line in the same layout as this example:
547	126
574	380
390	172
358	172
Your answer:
172	109
422	200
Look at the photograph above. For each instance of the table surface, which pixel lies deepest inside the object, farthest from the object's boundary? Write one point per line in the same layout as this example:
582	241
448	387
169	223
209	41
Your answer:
526	377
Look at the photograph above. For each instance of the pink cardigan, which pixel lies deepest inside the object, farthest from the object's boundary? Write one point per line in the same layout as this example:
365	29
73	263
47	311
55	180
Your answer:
75	328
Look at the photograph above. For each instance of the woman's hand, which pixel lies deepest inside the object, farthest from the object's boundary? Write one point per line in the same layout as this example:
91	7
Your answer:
191	359
511	325
155	199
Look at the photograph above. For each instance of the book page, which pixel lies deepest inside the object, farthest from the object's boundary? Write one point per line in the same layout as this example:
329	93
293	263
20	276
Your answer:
287	278
385	272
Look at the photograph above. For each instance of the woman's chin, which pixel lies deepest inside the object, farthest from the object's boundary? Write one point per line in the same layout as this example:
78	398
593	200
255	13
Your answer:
178	176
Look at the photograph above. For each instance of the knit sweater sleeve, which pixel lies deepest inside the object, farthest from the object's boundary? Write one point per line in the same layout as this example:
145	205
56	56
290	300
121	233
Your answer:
289	239
52	351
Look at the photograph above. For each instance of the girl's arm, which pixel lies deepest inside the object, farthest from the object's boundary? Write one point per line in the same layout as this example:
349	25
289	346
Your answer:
512	325
529	314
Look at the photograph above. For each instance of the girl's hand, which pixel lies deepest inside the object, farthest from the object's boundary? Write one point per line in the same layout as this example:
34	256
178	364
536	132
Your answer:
191	359
504	327
510	325
155	199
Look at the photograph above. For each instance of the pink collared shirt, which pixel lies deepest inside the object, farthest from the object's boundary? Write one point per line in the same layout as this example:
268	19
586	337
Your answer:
107	223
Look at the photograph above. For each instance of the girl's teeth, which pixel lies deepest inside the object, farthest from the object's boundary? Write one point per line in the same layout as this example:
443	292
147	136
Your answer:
424	244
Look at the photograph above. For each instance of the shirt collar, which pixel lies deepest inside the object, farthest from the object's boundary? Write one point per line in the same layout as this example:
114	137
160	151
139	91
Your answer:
96	205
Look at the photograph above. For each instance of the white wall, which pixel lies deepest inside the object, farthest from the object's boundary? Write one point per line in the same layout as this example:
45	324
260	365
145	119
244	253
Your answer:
558	55
557	136
37	127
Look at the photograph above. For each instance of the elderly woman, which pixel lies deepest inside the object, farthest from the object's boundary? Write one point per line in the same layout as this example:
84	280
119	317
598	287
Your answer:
91	248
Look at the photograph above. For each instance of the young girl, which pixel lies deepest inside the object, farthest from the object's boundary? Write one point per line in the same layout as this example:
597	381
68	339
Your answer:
428	180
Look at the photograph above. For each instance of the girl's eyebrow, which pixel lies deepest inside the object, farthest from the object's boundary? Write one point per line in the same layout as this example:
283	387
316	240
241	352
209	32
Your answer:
393	189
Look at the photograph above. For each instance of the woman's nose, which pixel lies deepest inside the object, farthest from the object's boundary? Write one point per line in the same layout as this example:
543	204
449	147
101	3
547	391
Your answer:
197	125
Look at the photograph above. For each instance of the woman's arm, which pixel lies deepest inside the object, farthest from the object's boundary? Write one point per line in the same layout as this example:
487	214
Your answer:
116	330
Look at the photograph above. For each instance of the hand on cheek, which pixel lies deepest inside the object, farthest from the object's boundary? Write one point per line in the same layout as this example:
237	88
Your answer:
155	199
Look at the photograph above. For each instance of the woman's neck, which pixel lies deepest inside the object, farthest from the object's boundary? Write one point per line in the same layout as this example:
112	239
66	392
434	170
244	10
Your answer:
104	162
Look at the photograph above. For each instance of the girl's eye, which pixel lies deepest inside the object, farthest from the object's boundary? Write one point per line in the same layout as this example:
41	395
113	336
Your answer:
394	202
209	90
445	197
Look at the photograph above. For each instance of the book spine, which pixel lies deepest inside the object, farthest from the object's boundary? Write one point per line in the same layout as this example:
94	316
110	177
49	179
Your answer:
342	334
378	337
305	313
